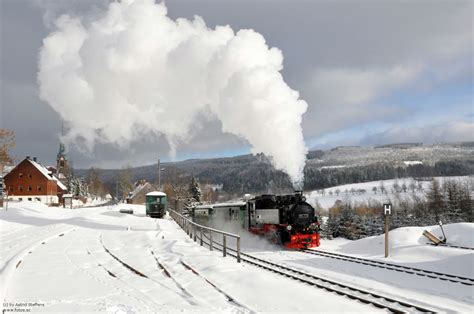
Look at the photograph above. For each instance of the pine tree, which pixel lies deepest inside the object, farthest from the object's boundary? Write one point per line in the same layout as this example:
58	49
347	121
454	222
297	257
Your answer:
331	227
435	199
350	224
195	190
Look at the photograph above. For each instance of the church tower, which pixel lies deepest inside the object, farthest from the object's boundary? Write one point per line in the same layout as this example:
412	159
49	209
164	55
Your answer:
62	164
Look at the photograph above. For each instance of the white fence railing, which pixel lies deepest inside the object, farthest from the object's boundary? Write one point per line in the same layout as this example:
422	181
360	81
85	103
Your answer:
196	232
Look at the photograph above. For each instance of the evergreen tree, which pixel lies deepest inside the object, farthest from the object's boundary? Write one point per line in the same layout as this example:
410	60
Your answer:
330	228
435	199
195	190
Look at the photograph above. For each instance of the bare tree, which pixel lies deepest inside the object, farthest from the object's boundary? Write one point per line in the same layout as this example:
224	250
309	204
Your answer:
412	186
177	186
95	185
7	141
124	180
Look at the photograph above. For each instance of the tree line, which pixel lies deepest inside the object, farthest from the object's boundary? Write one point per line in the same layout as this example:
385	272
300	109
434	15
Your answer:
322	178
449	202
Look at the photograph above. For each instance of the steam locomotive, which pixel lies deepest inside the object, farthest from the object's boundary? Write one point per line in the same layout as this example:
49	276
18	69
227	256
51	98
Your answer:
285	219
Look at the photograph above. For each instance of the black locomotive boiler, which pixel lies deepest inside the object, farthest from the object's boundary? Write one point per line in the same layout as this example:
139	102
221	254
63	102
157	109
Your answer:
287	219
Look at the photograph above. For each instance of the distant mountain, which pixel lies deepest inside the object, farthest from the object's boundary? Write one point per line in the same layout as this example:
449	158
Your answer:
341	165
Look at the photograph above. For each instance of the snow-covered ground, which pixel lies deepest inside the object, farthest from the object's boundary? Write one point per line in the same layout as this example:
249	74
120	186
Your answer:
407	247
68	261
343	192
57	260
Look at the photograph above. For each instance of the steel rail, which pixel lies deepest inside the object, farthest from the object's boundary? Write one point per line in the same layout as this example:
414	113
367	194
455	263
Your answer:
399	268
333	286
452	246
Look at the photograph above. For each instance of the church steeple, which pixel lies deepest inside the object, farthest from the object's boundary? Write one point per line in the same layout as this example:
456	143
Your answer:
62	167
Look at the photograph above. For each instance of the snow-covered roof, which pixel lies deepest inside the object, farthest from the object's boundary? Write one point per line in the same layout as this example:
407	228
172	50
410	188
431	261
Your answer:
42	169
230	204
220	205
46	172
156	193
60	184
139	188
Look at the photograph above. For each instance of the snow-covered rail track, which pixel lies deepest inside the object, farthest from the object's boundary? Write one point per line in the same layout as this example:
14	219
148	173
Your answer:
452	246
229	298
186	292
126	286
189	298
237	305
14	260
390	266
367	297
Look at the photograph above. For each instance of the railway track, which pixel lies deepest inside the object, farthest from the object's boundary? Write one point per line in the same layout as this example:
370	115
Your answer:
367	297
186	293
399	268
452	246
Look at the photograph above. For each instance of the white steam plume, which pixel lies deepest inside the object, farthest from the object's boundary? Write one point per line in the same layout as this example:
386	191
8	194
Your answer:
134	70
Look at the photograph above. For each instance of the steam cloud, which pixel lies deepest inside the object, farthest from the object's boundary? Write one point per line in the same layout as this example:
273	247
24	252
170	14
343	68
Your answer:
134	70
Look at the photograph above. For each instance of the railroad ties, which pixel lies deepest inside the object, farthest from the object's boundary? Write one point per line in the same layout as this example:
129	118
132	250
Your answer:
378	300
390	266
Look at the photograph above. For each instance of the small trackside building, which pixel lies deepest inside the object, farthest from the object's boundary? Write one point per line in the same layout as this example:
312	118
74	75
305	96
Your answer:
31	181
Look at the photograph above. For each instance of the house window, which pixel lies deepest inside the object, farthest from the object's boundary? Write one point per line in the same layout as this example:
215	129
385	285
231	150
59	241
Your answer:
20	188
30	199
11	188
39	188
20	175
30	188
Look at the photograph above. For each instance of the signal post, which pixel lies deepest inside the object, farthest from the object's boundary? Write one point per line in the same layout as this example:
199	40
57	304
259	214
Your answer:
387	211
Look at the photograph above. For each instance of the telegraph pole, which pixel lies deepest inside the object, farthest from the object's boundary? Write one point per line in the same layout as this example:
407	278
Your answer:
159	175
117	191
1	185
387	211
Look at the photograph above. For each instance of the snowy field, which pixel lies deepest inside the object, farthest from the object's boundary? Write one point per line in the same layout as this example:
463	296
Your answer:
60	260
344	191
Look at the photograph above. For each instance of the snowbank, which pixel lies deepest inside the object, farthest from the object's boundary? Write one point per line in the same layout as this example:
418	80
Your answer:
408	246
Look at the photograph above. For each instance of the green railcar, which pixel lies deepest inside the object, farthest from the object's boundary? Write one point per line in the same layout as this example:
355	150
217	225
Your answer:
156	204
214	214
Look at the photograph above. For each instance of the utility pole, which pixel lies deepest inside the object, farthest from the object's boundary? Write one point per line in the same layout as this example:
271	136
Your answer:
159	175
117	191
1	185
387	211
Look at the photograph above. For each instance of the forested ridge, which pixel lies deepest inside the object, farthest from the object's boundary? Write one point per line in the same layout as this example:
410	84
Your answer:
342	165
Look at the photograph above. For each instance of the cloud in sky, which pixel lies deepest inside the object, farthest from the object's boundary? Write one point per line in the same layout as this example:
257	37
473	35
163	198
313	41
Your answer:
398	52
358	44
431	133
133	72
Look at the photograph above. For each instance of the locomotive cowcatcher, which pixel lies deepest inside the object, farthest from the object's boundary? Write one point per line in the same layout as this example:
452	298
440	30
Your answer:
285	219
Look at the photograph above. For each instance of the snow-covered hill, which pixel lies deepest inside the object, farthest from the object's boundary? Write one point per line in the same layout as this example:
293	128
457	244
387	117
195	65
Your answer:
372	191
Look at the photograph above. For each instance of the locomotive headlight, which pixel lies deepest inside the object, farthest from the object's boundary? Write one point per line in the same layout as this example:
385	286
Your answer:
288	227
